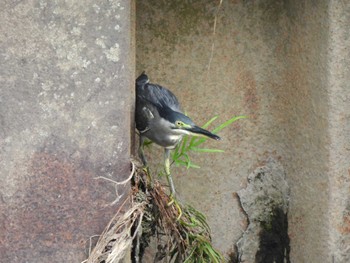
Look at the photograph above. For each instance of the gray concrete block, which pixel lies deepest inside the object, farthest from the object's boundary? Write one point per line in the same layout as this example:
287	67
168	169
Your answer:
65	102
339	131
285	65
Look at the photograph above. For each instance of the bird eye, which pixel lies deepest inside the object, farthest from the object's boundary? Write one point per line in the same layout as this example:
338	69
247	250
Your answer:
179	123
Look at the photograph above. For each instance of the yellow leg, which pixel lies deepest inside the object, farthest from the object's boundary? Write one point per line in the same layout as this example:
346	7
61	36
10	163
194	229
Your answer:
171	184
144	160
177	205
141	153
167	172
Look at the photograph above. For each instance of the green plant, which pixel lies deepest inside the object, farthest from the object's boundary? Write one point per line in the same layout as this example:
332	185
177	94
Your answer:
181	239
182	231
180	155
192	224
198	238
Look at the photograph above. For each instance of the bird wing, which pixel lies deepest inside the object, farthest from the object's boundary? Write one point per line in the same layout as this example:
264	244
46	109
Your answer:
151	101
159	96
144	113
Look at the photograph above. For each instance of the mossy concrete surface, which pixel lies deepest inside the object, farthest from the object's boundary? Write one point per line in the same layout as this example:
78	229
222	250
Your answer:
285	64
66	82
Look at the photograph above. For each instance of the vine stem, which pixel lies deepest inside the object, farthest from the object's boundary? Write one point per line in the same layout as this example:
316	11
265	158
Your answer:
214	33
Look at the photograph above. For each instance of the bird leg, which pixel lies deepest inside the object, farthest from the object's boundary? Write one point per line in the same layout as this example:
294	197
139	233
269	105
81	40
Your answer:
167	172
144	160
171	184
141	152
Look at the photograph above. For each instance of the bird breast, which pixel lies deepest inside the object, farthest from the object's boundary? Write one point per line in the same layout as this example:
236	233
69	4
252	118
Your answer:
174	140
162	134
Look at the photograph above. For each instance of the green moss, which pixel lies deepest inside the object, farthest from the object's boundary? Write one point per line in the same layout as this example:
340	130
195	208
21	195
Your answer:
172	20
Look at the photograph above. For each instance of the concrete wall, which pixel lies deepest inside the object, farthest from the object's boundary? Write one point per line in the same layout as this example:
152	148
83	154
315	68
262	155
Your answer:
66	89
339	130
285	65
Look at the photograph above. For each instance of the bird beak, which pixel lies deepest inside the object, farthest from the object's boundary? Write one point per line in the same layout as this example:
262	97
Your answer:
198	131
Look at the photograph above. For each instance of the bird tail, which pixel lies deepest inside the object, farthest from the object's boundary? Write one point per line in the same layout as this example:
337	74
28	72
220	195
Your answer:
142	79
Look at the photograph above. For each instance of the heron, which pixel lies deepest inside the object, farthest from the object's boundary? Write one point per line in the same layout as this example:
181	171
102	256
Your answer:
159	118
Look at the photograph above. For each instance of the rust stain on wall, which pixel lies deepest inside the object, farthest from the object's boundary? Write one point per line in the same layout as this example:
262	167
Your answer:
345	227
246	80
60	204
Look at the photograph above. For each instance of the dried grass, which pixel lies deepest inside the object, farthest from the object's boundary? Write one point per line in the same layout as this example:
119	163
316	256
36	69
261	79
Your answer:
116	239
181	231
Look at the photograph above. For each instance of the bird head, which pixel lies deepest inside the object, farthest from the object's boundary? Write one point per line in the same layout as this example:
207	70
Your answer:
183	125
142	79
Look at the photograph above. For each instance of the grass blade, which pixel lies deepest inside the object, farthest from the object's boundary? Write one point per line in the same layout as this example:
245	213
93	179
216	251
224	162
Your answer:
209	122
207	150
226	123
